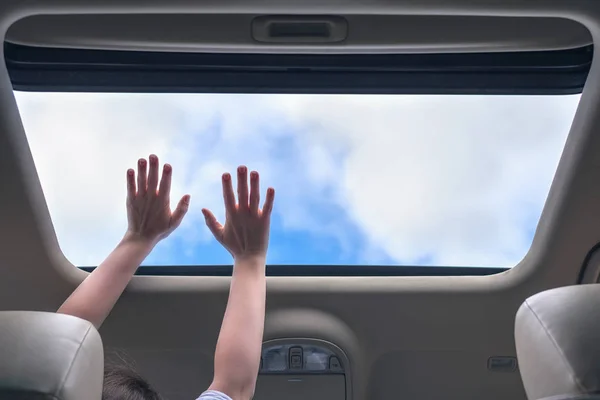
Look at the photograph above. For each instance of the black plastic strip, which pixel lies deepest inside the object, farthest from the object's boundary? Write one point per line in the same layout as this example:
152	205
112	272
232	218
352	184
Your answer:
77	70
318	270
586	263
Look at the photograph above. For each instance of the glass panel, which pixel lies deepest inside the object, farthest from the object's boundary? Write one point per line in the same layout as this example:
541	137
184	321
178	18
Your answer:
360	179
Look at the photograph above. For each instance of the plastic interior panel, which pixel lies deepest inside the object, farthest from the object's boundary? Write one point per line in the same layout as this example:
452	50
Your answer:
295	358
301	387
231	33
300	368
319	358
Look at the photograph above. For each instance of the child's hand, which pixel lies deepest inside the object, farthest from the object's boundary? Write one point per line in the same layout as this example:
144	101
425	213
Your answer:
246	230
148	208
150	219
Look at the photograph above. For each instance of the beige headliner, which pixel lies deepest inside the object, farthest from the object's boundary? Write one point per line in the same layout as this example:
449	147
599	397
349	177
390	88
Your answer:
406	337
229	33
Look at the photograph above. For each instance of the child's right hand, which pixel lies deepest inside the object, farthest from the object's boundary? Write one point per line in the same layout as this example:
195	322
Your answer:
246	230
246	236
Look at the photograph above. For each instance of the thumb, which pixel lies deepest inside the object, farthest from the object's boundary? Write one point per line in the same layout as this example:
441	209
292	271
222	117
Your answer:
211	222
180	211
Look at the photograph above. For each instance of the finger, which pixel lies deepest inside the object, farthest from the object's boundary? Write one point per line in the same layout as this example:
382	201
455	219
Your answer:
180	211
242	178
211	222
152	174
130	184
165	182
254	192
228	195
141	178
268	206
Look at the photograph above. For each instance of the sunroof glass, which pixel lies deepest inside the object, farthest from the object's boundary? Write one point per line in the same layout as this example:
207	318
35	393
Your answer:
456	180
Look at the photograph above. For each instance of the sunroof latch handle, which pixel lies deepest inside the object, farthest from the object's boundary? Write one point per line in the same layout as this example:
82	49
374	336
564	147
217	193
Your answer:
299	29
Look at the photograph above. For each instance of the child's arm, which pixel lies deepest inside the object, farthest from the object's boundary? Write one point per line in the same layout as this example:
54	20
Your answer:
246	236
149	220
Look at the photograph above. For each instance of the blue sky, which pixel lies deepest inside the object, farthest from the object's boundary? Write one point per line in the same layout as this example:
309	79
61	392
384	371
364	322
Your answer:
393	180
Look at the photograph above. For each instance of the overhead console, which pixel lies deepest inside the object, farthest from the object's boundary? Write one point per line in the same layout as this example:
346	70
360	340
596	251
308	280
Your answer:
295	369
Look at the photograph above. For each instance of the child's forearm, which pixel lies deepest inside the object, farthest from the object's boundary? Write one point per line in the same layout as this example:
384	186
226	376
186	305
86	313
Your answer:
97	294
237	357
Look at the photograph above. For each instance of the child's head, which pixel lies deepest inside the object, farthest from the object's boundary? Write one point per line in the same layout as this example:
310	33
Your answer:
123	383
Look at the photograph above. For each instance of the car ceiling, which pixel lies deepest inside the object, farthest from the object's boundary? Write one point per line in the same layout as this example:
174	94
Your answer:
405	337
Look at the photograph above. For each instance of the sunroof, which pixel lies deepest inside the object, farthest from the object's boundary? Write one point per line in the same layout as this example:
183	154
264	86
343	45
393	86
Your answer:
361	179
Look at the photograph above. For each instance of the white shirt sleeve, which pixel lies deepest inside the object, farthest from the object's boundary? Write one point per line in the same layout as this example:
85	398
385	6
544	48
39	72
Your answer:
213	395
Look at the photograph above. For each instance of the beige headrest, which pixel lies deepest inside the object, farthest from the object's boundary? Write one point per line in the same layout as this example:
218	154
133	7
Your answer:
49	356
557	335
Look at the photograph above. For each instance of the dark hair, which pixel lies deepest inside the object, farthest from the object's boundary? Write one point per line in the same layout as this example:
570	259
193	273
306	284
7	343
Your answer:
123	383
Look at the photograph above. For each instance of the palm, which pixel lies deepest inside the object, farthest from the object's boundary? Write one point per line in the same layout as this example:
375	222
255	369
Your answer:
246	230
148	205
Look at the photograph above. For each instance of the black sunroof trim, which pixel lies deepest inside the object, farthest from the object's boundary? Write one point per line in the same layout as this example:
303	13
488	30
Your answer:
318	270
79	70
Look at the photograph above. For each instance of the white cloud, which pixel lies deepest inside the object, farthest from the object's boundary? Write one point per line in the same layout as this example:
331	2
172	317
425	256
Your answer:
456	178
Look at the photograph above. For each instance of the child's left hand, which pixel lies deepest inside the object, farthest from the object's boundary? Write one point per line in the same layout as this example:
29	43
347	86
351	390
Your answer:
149	213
